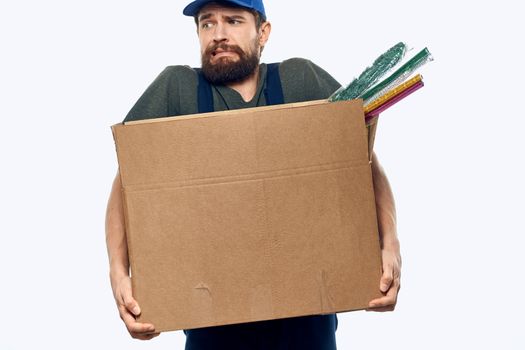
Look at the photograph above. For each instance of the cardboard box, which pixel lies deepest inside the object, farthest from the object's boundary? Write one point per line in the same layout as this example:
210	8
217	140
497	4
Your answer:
250	214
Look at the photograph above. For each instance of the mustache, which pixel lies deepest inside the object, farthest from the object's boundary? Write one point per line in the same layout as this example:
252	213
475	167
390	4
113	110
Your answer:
225	47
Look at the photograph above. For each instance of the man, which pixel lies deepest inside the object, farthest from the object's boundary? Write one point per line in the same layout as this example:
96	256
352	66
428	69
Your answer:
232	35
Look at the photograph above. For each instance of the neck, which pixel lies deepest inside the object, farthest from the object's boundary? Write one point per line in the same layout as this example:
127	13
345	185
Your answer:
248	87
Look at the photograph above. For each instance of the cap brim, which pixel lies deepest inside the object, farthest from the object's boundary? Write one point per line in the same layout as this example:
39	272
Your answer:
193	8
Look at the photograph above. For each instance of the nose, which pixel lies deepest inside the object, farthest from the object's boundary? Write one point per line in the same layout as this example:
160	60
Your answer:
220	33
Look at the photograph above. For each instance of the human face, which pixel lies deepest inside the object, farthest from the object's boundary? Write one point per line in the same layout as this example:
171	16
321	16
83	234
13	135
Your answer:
230	43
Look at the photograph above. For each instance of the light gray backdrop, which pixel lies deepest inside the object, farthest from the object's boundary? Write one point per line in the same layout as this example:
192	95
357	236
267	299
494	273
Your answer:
453	152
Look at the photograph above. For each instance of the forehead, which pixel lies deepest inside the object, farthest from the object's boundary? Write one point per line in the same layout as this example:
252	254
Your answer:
214	9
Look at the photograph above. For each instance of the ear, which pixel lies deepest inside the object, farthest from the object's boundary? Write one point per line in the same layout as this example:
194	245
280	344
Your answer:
264	33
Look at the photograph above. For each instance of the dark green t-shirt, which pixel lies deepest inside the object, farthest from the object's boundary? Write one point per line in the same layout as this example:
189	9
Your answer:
174	91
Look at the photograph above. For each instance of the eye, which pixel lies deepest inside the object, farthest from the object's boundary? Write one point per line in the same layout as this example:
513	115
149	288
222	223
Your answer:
234	21
206	25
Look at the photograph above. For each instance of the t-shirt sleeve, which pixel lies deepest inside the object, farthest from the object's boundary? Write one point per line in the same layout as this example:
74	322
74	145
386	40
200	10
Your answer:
303	80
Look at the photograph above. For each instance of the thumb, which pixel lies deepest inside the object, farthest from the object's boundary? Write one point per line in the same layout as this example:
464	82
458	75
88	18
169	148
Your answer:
129	302
386	281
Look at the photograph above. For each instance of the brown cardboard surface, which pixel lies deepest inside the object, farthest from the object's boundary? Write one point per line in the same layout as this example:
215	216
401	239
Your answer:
250	215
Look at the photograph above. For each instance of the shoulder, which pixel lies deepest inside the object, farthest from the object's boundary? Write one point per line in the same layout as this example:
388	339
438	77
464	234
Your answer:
304	80
296	62
300	64
177	72
302	68
179	69
296	65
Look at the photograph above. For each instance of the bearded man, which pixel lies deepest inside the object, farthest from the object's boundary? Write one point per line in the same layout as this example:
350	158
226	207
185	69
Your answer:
232	35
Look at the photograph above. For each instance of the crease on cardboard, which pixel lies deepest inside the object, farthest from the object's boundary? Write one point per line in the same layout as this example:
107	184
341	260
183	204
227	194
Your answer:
201	304
248	177
127	215
371	131
269	250
204	287
261	303
262	296
325	298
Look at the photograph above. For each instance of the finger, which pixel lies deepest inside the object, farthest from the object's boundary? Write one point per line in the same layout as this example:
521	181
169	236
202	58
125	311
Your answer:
389	299
382	302
129	302
141	336
132	325
386	279
382	309
145	336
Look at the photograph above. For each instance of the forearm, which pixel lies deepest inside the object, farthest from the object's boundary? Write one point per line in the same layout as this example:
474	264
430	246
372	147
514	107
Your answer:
390	252
116	234
386	210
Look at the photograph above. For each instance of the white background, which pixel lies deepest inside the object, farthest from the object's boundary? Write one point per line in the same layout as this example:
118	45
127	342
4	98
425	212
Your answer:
453	152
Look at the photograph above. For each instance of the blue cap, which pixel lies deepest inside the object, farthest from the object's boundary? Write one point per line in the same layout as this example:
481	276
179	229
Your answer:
193	8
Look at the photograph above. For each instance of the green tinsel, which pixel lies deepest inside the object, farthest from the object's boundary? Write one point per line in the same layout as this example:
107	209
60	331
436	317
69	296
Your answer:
372	74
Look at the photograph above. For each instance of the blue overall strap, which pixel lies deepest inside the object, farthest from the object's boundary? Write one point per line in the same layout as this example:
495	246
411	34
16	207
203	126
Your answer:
274	90
204	94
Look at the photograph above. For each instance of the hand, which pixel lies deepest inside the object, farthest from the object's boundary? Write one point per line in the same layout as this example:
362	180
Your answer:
390	281
129	309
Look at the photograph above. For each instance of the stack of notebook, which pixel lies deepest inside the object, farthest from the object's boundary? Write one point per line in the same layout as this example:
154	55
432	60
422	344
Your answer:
379	95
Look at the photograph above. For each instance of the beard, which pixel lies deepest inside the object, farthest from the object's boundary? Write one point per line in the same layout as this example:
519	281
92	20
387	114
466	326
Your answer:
225	70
